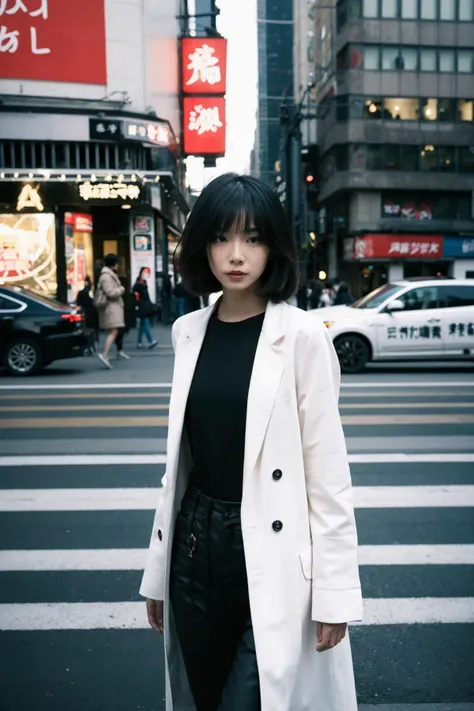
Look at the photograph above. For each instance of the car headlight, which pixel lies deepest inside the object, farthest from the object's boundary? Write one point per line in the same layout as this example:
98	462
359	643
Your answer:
328	324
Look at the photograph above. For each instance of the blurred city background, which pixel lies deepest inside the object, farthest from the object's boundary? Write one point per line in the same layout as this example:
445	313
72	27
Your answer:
113	116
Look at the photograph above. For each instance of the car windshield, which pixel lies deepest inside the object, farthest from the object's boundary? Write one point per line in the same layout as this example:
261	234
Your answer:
377	297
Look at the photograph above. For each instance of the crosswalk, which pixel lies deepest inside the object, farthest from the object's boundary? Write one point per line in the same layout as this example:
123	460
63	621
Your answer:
79	470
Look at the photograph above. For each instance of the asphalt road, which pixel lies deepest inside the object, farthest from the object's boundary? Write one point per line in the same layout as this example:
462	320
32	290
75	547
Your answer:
80	449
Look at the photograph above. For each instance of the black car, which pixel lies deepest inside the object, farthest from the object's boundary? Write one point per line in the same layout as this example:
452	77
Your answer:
35	330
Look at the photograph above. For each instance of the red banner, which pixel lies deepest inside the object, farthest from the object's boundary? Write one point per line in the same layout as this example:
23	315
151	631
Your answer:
204	126
398	247
53	40
203	65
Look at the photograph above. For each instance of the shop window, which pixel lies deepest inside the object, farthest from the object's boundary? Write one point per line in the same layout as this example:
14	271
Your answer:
357	156
447	109
374	157
428	158
392	157
373	108
356	57
429	110
409	9
466	109
465	61
341	14
342	108
371	57
466	10
447	60
410	157
428	60
446	159
409	59
402	109
389	8
390	58
466	159
370	8
428	9
447	9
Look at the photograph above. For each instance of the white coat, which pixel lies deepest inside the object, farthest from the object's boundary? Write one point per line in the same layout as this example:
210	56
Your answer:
308	570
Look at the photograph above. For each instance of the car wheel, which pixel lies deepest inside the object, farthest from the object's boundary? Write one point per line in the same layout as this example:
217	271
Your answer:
23	357
353	353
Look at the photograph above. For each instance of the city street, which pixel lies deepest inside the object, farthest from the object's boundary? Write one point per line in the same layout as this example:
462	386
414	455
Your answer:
82	450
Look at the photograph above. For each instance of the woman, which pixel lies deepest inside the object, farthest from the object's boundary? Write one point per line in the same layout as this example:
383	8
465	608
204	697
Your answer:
343	295
252	567
109	303
144	307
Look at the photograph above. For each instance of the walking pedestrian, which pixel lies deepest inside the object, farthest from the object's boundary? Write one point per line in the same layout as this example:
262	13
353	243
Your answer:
326	297
91	318
343	295
128	317
108	300
252	566
179	298
145	308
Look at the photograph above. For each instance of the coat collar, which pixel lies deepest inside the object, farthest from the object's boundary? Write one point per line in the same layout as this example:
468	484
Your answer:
110	272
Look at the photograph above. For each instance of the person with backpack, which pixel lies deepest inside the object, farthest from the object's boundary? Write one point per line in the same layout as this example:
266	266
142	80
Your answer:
108	300
145	308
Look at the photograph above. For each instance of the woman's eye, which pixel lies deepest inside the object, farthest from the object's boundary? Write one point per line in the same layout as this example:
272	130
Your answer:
220	238
254	240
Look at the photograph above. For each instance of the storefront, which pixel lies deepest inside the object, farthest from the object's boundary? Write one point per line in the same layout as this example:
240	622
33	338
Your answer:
460	249
56	230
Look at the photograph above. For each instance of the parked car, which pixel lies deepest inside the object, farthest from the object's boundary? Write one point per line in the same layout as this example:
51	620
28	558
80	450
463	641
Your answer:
36	330
413	319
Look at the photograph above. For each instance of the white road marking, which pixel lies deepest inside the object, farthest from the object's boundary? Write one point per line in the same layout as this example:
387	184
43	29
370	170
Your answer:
137	459
132	615
144	499
134	558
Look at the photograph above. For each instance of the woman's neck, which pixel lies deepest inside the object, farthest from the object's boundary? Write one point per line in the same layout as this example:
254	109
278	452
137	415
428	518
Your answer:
239	306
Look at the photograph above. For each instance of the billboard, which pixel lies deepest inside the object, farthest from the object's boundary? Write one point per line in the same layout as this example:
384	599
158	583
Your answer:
377	246
204	126
53	40
203	65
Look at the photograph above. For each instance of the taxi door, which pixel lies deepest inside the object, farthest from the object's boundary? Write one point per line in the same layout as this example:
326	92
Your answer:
458	318
418	329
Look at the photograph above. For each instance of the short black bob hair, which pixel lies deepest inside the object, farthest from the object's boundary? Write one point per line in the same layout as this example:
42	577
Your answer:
110	260
224	200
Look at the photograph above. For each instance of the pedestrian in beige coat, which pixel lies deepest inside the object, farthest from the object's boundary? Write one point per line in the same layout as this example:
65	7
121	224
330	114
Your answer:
110	305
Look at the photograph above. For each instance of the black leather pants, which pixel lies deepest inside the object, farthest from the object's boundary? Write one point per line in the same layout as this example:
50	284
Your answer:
209	594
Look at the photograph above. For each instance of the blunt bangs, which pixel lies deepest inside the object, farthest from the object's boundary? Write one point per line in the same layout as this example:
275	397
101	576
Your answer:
242	199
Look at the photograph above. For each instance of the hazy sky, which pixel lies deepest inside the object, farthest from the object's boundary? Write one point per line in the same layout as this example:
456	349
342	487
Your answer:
237	22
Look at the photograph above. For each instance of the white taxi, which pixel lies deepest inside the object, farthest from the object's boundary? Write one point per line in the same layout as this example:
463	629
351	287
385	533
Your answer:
405	320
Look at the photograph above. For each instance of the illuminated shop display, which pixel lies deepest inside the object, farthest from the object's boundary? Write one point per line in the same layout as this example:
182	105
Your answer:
28	251
79	252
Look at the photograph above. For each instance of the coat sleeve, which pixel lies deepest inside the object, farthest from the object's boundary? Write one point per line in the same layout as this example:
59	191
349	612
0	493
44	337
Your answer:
336	592
112	290
153	581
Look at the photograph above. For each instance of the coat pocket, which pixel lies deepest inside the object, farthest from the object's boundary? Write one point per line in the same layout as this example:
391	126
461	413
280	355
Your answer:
306	560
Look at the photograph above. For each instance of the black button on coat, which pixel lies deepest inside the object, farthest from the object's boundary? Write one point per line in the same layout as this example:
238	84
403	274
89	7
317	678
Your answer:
277	526
277	474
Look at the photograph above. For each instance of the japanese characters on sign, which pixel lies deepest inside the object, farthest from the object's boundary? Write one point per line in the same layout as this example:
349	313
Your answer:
204	62
377	246
408	209
413	332
461	329
158	133
105	129
461	247
108	191
204	125
38	38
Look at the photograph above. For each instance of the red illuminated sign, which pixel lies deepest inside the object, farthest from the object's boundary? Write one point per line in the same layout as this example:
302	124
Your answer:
398	247
203	68
204	125
53	40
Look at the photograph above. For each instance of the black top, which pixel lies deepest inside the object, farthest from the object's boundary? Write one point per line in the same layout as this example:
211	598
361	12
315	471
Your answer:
217	406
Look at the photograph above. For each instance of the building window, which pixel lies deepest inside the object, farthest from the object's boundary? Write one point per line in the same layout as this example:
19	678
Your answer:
371	57
370	8
429	110
465	61
447	9
357	156
373	108
410	156
392	157
428	60
409	9
466	10
374	156
466	110
447	109
428	158
389	8
446	60
390	58
409	59
402	109
428	9
446	159
466	159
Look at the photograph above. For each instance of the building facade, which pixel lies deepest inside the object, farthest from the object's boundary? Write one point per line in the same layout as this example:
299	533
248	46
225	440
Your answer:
90	158
395	84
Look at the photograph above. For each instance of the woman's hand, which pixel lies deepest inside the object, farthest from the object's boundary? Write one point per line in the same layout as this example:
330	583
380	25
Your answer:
154	611
328	635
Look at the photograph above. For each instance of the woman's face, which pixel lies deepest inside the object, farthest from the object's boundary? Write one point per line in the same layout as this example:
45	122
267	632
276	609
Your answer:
238	258
145	274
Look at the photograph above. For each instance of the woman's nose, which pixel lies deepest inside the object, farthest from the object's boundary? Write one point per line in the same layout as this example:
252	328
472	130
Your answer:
236	253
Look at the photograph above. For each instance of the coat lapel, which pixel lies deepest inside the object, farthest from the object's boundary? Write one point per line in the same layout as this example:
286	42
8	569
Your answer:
266	376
